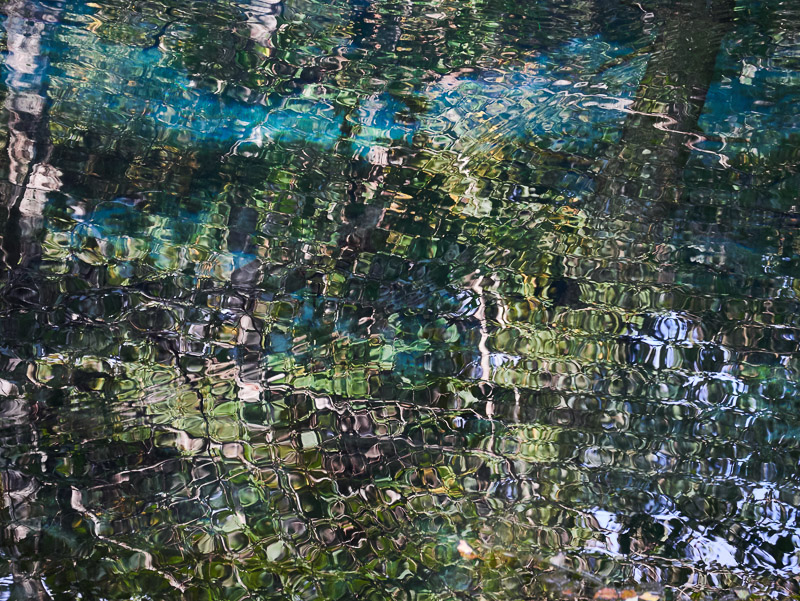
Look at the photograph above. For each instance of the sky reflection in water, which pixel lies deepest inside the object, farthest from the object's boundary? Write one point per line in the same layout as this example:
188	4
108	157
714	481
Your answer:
408	300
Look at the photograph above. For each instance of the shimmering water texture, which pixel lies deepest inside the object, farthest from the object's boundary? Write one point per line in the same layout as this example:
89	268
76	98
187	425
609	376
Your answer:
400	300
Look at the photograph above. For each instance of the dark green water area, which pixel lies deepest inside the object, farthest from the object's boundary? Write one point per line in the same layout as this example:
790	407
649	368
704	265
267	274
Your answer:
403	300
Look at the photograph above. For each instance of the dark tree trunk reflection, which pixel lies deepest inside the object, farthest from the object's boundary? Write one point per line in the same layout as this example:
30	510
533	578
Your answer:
648	164
30	174
30	178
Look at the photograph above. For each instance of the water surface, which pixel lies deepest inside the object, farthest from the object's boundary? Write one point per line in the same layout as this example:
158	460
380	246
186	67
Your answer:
352	299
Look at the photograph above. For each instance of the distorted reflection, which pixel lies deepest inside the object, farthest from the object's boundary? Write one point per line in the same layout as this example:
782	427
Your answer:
420	300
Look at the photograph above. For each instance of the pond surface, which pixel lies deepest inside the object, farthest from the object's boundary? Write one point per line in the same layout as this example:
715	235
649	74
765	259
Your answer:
393	299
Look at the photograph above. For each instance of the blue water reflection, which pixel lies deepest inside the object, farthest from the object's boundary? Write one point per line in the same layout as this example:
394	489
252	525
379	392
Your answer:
384	299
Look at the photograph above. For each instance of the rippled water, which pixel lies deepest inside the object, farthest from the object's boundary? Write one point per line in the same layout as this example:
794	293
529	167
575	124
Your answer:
393	299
